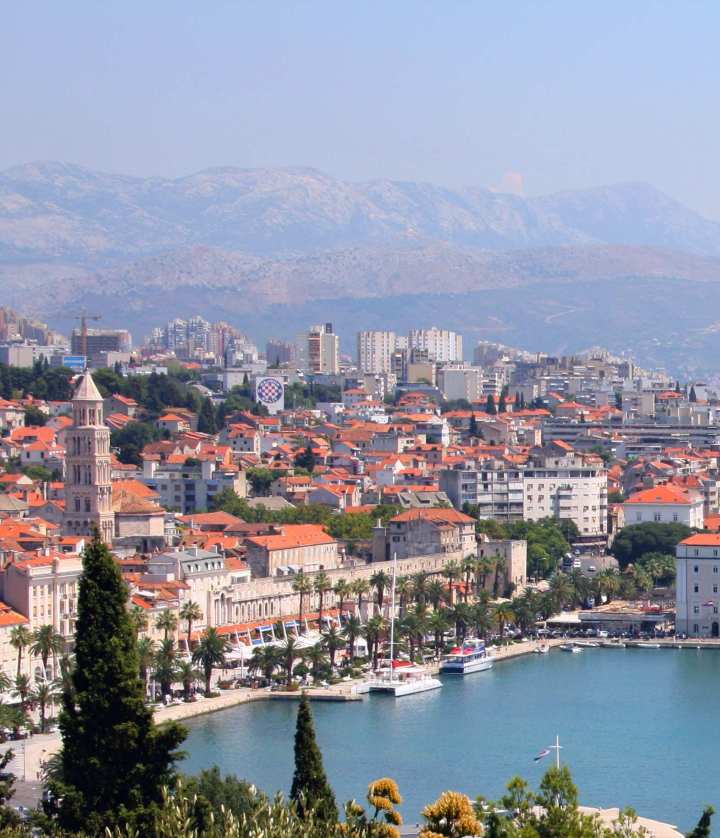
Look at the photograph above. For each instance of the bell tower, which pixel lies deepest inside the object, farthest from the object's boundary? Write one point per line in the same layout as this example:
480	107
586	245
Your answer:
88	490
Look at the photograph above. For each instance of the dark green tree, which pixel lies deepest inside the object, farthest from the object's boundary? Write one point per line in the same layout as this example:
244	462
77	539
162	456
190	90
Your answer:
35	416
490	406
310	787
502	404
114	761
702	830
306	459
634	541
473	425
207	423
693	395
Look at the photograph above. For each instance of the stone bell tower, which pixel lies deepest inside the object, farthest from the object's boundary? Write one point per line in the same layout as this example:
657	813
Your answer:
88	490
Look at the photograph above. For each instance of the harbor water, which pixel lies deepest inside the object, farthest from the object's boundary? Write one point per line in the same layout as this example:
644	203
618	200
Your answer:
639	727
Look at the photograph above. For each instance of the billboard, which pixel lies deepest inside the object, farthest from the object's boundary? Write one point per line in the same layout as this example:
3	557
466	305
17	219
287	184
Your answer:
76	363
270	392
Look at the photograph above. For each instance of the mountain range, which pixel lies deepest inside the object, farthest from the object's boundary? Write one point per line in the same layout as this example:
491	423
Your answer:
274	247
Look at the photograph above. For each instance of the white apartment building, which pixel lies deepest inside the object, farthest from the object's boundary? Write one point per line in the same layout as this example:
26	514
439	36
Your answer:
461	382
665	505
549	486
441	345
375	350
697	597
319	350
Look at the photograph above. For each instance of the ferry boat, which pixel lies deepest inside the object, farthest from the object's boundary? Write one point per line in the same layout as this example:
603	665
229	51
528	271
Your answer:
569	647
402	678
472	656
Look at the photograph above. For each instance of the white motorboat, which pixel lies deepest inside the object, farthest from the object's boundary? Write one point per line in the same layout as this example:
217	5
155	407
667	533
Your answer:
472	656
542	649
398	677
587	644
642	644
569	647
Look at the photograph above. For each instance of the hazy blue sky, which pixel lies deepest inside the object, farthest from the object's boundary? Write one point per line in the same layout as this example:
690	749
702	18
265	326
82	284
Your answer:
565	94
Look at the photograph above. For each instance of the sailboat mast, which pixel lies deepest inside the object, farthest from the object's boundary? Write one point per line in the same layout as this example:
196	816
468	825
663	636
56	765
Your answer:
392	618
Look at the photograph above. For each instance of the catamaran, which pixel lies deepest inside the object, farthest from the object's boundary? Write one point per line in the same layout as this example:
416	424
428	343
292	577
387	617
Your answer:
472	656
398	677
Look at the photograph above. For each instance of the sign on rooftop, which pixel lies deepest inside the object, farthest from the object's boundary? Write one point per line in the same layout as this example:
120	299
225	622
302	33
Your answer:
270	392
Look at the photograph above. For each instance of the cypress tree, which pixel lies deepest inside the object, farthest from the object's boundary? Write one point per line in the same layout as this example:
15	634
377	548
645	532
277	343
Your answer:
702	830
310	787
206	418
114	761
693	397
490	406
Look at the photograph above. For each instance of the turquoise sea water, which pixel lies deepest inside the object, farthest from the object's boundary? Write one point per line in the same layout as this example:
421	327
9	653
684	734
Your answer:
639	727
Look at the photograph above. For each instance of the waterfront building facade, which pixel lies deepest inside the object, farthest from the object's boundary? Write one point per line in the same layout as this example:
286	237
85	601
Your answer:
697	597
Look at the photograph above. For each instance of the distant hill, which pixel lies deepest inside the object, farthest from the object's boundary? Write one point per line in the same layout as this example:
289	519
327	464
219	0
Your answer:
282	246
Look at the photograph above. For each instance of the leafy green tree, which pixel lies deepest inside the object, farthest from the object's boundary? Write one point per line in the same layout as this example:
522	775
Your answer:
9	818
131	440
210	654
310	786
633	541
39	474
490	406
260	480
35	416
114	761
217	793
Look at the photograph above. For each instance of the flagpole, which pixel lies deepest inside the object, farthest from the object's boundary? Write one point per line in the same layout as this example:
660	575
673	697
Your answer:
557	752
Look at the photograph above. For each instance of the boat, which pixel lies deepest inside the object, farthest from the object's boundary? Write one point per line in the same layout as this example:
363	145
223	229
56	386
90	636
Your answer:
587	644
402	678
642	644
542	649
613	644
471	657
569	647
399	677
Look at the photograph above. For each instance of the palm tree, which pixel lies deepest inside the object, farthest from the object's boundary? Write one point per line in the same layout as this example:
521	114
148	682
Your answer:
451	571
191	613
333	642
187	674
467	566
210	653
500	565
461	616
167	622
503	615
352	630
360	587
480	619
413	626
404	587
438	624
20	639
435	593
483	568
317	657
562	590
43	695
381	581
420	583
265	660
302	585
373	632
165	666
342	591
146	652
321	585
288	654
45	642
5	682
22	690
139	619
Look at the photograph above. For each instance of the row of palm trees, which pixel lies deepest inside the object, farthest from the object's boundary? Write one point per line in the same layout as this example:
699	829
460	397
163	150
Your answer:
164	662
468	578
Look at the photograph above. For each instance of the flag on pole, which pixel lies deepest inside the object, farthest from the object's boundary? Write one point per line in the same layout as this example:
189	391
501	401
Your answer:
542	755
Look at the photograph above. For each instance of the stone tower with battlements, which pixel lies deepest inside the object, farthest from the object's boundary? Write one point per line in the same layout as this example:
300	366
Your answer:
88	490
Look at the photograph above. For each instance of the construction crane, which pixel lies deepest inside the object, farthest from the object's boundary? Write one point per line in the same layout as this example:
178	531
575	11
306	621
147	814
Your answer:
83	318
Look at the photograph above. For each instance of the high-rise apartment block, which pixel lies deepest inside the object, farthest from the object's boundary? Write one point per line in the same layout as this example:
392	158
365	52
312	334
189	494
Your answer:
442	345
319	350
375	351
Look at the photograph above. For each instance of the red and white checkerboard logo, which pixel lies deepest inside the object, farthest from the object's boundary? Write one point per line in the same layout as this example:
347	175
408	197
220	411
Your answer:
269	390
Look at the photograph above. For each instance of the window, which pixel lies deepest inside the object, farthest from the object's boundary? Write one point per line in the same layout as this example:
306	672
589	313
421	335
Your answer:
657	517
715	568
675	516
696	589
696	569
696	628
715	589
696	609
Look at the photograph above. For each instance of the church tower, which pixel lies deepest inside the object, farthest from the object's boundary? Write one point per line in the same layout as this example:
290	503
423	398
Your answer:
88	490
